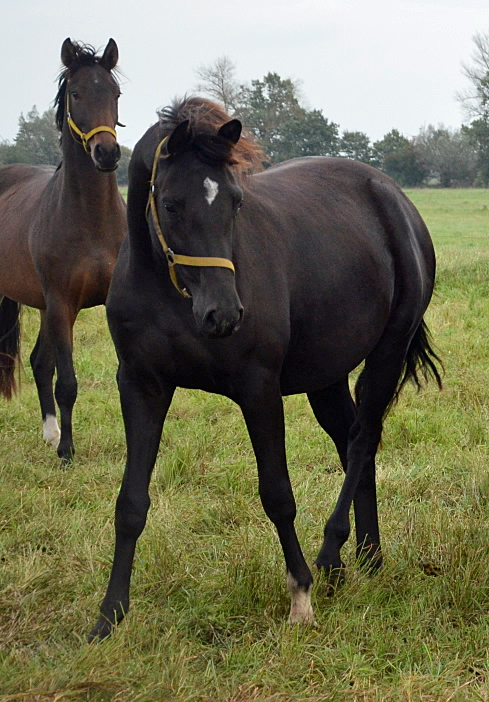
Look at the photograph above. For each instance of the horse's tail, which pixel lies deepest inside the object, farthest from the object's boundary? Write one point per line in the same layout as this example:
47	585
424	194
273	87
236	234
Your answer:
421	359
9	345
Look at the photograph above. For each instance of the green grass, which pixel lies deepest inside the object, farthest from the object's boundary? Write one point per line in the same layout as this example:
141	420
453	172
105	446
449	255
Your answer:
209	601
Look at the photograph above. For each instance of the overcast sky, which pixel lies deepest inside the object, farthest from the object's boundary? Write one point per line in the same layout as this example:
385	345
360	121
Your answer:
369	66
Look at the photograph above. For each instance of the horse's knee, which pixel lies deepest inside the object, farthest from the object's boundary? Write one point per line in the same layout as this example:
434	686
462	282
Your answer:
66	390
130	515
278	501
367	481
338	528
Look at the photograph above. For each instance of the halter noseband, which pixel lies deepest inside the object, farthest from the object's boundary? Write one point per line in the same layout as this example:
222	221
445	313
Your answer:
85	138
174	259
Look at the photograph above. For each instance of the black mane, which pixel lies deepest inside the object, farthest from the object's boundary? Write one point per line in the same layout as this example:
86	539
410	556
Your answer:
86	55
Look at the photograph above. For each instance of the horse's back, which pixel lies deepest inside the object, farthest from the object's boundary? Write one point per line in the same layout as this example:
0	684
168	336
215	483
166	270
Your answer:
344	208
21	189
24	175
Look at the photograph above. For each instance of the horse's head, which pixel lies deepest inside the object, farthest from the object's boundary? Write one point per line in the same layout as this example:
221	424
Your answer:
196	201
87	101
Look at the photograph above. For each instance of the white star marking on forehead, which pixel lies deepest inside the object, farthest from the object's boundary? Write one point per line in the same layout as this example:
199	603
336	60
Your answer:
211	190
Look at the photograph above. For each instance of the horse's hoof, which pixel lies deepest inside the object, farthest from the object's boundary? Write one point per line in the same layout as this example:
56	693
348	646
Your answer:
66	458
370	559
304	616
334	576
102	630
300	605
372	565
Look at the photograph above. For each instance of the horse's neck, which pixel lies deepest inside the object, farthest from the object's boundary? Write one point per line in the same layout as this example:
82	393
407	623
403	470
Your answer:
81	183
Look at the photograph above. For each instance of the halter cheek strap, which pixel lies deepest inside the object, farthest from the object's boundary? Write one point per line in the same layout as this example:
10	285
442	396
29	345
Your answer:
174	259
85	138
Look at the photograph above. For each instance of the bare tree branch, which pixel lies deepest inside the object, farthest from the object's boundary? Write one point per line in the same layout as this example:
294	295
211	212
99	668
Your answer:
218	81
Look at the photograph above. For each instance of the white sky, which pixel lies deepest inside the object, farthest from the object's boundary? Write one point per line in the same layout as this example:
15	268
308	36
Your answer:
369	66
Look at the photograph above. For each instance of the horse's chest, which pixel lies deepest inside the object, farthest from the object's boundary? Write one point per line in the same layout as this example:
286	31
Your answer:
89	282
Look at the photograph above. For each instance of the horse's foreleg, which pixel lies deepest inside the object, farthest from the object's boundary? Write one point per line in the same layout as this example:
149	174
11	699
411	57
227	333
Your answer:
378	382
59	327
335	411
43	366
262	409
144	415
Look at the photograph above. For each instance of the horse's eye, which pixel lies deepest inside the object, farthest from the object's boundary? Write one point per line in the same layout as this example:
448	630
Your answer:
74	95
170	208
239	205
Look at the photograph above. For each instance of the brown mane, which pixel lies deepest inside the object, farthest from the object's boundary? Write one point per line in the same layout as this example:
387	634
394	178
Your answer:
205	118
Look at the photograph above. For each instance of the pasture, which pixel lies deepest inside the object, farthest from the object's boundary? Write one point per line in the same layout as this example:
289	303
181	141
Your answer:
209	602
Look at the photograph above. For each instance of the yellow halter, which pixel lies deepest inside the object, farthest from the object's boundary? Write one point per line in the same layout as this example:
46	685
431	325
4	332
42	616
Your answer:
84	137
173	258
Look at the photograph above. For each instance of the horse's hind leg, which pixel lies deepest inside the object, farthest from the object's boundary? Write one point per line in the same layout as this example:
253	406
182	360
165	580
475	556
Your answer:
43	365
377	385
335	411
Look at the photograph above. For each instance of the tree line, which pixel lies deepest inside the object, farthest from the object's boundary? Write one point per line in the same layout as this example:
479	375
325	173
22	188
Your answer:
271	109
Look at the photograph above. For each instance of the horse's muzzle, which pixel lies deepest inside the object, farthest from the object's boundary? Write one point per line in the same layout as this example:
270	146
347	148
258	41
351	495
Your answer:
106	158
218	324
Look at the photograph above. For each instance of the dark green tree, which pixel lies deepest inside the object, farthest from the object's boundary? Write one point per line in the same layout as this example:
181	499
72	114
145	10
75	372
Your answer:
266	106
309	134
8	153
356	145
391	143
404	167
398	158
478	135
37	139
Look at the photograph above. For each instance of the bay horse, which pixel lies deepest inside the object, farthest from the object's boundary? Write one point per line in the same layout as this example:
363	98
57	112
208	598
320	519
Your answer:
60	233
256	286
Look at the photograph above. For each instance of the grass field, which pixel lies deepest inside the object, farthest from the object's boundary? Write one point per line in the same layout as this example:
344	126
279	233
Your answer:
209	601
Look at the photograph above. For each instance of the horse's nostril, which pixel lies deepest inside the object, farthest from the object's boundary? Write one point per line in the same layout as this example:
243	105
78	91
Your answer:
209	326
106	158
217	324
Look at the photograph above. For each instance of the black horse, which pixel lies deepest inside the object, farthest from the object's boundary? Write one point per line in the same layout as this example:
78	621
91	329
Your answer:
320	262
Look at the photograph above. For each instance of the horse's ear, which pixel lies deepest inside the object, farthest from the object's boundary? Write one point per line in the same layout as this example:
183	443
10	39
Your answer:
110	56
231	131
68	52
180	138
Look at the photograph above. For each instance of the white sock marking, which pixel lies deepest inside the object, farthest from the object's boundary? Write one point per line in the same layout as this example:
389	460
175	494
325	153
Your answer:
300	607
211	190
50	431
